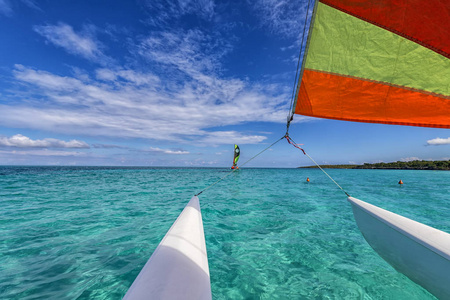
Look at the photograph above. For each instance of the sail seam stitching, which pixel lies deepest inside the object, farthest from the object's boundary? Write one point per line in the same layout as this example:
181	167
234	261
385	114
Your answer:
378	122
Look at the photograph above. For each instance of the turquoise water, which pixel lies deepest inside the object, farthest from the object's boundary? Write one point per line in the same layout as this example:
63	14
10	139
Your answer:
85	232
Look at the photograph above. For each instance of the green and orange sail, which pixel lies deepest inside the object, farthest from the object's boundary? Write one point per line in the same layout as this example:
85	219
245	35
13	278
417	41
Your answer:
383	61
237	154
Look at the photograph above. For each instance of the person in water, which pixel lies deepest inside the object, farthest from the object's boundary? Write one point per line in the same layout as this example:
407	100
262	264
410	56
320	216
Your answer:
307	179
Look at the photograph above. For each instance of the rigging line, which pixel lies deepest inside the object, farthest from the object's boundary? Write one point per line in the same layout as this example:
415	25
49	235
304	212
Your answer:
229	173
291	141
289	118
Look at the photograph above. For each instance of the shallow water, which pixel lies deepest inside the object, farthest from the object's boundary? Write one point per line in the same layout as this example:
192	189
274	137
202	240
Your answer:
86	232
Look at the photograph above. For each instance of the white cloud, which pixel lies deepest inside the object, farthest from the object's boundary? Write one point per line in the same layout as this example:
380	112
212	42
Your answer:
407	159
163	12
203	8
21	141
83	44
281	17
126	103
5	8
168	151
227	137
46	80
106	75
181	97
107	146
192	52
128	76
43	152
439	141
31	4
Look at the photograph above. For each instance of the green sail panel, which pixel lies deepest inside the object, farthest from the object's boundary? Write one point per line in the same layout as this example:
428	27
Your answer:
237	154
345	45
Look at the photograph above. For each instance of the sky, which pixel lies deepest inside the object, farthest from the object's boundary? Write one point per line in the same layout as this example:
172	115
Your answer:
171	83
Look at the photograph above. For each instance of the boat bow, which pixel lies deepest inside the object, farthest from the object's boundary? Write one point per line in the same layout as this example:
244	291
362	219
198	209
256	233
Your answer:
419	251
178	268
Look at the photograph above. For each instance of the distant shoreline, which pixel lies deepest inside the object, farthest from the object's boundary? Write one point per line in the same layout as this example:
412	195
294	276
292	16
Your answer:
399	165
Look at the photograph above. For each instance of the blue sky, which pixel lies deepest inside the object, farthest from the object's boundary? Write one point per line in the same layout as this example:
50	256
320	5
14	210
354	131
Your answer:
170	83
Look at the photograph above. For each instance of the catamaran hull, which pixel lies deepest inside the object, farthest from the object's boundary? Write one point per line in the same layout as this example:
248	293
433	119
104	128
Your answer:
420	252
178	269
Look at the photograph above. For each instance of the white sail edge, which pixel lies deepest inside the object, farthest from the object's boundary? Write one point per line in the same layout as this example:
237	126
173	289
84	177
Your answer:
420	252
178	268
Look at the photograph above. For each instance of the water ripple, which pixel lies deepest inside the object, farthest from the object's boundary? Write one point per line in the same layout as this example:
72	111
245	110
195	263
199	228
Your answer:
85	233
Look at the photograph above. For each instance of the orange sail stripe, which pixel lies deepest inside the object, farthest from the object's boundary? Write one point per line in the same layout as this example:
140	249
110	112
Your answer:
331	96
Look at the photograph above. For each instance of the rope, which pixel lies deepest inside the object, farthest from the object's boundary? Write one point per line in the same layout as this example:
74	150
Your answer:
290	141
233	170
290	115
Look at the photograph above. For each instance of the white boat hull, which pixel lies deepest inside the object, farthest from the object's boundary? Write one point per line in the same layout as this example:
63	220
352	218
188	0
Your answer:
420	252
178	268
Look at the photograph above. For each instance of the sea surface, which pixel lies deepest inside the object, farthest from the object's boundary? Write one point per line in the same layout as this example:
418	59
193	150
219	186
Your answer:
86	232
